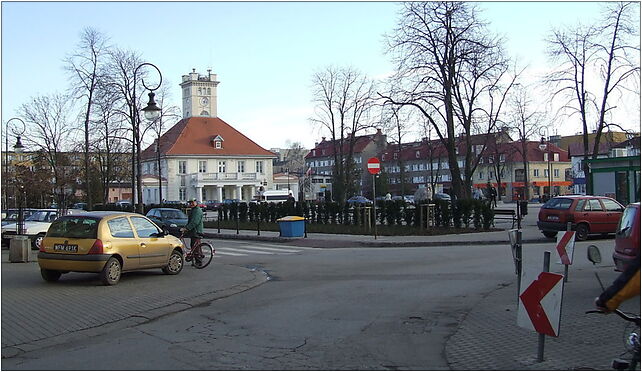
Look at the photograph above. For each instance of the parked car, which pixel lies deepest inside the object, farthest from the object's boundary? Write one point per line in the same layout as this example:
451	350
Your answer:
213	205
587	214
169	219
107	243
627	237
10	216
80	206
358	200
35	226
441	196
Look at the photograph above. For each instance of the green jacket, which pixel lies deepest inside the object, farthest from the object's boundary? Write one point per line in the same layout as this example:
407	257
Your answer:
194	225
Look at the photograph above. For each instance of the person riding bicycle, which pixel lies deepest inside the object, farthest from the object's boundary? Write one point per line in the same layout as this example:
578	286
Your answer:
194	227
625	286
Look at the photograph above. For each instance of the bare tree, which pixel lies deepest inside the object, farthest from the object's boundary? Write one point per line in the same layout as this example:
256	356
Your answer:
344	100
50	130
85	67
453	71
607	48
526	120
397	126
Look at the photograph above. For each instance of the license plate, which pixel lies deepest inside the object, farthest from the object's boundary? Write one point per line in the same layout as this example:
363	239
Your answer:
66	248
553	218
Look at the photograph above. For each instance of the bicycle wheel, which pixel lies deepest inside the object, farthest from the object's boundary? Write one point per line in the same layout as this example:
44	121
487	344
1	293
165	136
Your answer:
205	252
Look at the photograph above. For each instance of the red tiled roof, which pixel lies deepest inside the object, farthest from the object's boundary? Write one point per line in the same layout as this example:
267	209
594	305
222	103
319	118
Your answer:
193	136
326	148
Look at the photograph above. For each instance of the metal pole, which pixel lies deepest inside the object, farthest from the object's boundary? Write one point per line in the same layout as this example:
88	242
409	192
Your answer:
542	337
374	207
518	258
568	228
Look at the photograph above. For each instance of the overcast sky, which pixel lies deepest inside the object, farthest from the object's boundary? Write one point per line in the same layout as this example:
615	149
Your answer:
264	53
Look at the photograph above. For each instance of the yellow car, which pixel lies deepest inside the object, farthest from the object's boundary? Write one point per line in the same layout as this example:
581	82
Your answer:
108	243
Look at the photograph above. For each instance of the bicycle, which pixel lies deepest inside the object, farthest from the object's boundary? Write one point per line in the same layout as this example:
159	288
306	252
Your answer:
201	255
631	342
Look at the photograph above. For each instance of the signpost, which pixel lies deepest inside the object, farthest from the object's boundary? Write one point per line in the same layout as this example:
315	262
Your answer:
374	167
565	247
540	304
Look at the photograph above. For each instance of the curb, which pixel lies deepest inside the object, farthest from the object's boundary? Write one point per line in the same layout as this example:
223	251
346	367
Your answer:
331	243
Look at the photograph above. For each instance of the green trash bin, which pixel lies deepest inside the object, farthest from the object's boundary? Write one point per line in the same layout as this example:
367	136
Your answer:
291	226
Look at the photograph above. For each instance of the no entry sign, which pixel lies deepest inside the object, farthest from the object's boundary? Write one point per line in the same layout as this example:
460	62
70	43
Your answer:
374	166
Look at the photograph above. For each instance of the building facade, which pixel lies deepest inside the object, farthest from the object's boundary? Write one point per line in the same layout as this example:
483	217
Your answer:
202	156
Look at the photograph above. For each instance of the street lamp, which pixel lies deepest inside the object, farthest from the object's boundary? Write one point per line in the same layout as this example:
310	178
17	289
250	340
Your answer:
287	173
18	148
152	112
545	146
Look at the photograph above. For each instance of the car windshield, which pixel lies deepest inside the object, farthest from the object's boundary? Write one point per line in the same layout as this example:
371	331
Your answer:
42	216
74	227
173	214
558	203
626	222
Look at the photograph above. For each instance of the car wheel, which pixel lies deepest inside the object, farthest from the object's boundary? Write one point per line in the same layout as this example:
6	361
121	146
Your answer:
37	241
174	264
50	275
111	272
581	232
550	234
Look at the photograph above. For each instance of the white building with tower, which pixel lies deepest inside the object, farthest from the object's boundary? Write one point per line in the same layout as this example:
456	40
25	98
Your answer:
202	156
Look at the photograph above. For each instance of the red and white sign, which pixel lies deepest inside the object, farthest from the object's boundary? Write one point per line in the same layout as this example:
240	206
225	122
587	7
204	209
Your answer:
540	305
565	247
374	166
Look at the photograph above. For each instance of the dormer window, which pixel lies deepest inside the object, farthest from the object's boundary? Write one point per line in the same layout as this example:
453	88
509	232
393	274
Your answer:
217	142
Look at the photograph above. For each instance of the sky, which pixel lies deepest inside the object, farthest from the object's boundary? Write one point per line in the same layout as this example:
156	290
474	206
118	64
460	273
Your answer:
264	53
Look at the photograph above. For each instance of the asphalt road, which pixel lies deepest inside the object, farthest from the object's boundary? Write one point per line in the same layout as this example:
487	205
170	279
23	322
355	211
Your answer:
329	309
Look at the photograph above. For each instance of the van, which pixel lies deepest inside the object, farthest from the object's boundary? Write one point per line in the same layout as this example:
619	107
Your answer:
274	196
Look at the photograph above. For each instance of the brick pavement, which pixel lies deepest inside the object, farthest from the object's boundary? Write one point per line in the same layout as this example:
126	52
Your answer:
489	338
35	316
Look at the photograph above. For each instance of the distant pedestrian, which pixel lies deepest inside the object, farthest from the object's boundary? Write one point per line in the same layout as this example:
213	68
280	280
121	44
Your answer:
493	197
291	198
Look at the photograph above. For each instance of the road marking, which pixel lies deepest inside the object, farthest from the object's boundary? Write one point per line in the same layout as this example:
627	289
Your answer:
276	249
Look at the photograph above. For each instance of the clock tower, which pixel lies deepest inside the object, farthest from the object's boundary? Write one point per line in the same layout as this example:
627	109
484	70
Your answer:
199	94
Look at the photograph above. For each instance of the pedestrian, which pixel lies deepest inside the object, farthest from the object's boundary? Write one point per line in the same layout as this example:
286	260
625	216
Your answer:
493	197
290	197
388	196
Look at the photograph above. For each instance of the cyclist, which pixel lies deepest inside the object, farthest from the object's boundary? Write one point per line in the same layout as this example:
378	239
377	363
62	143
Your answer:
625	286
194	227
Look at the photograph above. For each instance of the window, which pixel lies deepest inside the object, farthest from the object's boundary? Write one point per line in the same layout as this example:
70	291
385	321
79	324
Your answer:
611	206
259	167
481	175
221	167
556	173
395	155
240	167
546	172
535	172
144	228
417	154
218	144
502	158
593	205
202	166
182	167
183	181
182	194
120	228
556	156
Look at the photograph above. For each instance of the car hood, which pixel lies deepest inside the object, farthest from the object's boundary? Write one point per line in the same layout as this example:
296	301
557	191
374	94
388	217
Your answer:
177	221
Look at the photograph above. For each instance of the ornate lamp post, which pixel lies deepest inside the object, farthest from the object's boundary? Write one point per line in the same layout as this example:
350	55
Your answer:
152	112
17	131
544	145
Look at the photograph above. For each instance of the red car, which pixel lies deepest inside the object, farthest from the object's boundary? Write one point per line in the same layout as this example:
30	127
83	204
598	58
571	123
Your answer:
627	237
587	214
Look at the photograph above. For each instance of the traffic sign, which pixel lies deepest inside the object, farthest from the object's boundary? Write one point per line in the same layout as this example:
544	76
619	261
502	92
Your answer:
540	305
565	247
374	166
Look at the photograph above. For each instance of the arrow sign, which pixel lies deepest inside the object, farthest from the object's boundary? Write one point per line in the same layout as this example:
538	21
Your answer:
374	166
542	303
565	247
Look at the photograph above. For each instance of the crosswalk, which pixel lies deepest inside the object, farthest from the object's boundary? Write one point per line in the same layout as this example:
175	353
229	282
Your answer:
223	249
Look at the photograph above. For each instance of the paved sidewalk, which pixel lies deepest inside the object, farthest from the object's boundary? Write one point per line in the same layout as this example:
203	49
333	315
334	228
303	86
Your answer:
488	338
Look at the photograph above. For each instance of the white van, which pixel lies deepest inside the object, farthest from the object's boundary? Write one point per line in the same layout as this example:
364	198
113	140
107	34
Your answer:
275	196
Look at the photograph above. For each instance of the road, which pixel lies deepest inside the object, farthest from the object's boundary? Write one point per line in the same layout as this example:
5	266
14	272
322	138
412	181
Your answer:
352	308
